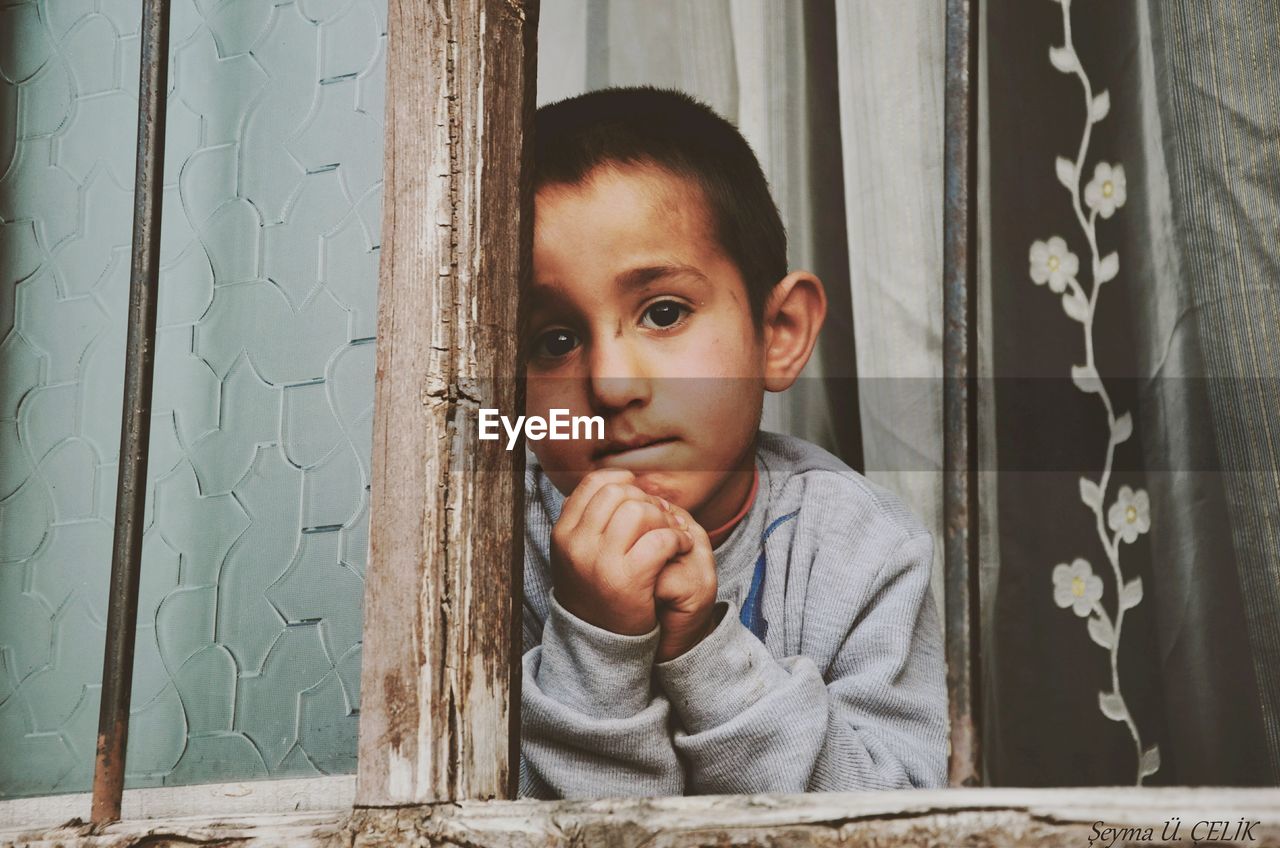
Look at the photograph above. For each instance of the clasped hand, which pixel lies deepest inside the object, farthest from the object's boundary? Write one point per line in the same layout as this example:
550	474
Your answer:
627	561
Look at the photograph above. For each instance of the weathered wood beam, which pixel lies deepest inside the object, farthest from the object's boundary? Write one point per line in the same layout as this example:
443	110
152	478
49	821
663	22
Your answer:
438	681
251	797
972	817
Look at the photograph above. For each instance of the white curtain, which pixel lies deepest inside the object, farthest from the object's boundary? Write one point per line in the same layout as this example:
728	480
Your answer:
842	103
891	86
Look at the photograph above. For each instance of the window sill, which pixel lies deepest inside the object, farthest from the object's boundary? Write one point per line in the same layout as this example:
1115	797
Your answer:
225	800
986	816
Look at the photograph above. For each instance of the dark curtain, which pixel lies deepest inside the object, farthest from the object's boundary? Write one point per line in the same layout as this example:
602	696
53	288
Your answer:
1187	339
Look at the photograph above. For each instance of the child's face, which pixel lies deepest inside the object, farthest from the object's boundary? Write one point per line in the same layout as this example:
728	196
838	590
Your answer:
637	316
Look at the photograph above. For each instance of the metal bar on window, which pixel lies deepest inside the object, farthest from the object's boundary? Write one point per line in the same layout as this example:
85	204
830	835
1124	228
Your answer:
131	487
960	489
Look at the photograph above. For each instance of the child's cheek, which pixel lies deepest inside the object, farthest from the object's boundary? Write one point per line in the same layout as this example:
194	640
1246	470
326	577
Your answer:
565	462
564	481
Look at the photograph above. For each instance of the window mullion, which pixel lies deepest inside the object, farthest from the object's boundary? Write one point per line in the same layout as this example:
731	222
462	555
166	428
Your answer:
439	713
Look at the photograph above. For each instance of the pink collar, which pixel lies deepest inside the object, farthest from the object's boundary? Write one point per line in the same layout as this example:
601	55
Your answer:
722	532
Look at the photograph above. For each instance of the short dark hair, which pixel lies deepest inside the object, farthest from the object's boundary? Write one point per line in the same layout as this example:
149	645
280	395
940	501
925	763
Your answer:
673	131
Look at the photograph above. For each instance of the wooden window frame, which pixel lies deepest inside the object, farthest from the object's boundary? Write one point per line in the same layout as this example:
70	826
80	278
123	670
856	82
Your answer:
439	726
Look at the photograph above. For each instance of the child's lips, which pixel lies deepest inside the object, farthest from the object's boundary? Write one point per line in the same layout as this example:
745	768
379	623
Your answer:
633	451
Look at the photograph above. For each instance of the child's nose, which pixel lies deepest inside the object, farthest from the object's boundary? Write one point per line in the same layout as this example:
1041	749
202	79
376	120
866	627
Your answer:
618	377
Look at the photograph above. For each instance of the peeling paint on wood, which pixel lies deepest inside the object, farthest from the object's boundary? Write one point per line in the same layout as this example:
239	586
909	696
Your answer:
446	509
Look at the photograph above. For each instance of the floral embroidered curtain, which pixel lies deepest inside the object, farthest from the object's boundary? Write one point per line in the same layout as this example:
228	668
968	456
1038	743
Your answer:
1133	179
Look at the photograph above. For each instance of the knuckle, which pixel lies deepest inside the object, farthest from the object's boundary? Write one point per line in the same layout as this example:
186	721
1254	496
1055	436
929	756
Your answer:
643	546
606	474
611	489
631	511
654	542
668	543
653	517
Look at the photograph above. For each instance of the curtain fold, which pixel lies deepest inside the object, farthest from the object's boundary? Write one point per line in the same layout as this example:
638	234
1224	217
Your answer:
891	64
1215	364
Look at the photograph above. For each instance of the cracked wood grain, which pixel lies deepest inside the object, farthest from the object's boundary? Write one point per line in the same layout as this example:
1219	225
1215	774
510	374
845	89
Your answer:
437	721
973	817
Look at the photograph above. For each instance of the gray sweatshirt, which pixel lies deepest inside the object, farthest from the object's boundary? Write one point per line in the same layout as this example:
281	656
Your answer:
827	675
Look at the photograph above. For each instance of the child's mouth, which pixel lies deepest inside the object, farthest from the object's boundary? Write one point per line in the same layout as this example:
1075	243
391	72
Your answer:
632	450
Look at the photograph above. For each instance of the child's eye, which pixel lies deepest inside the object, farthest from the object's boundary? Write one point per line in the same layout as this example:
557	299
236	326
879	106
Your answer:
555	343
664	313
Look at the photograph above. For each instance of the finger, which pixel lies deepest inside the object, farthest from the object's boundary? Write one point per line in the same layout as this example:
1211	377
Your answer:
686	577
685	521
656	547
631	520
580	497
597	515
675	583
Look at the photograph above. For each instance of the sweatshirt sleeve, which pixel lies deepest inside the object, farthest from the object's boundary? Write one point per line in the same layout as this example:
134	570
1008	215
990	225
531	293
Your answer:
592	723
875	719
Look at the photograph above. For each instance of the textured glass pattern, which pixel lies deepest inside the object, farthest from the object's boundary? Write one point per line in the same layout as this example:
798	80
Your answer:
248	651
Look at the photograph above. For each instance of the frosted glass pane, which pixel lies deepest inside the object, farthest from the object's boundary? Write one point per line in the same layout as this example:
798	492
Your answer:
248	651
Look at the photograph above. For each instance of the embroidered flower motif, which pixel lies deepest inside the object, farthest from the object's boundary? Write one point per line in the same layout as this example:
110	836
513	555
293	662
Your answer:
1105	192
1051	262
1130	515
1076	586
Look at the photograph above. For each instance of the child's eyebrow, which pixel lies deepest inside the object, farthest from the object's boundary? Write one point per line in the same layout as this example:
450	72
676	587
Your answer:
543	294
640	277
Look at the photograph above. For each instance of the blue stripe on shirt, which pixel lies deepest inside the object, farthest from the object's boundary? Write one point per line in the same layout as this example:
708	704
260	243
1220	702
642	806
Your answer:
752	616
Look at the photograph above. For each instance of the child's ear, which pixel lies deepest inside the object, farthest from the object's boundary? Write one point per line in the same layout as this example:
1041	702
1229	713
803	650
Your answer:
793	316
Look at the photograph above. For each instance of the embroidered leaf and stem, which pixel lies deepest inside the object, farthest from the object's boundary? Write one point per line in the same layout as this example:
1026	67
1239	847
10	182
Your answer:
1129	515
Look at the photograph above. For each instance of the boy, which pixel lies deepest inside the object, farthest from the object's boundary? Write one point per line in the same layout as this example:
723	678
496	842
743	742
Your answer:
708	608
